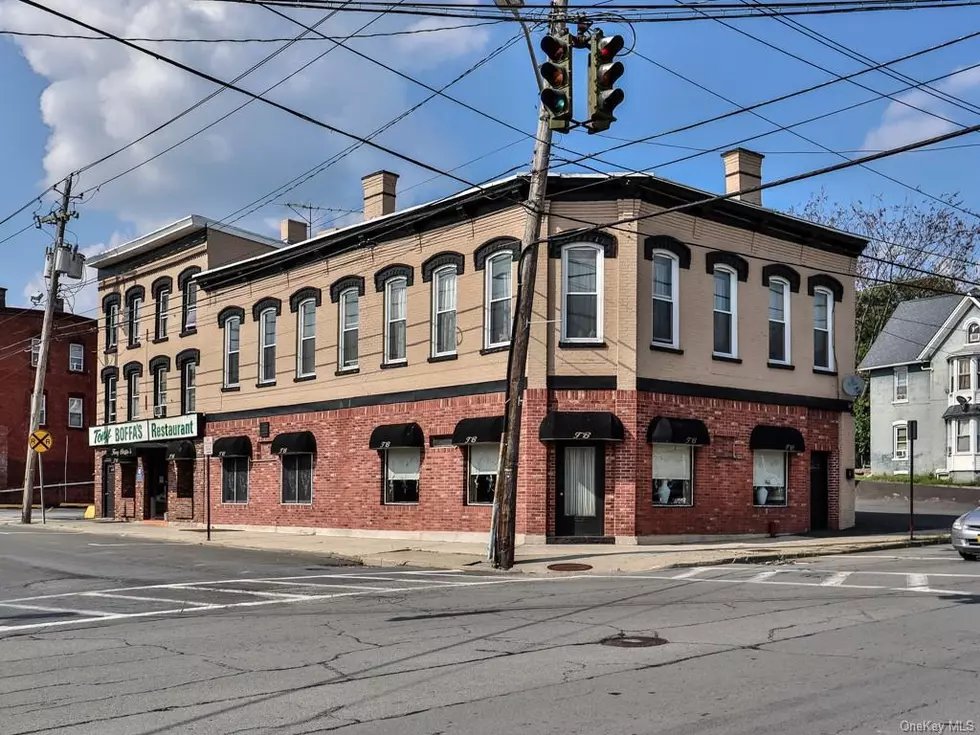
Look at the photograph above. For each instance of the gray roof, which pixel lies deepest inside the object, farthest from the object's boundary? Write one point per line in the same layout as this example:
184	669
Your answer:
909	330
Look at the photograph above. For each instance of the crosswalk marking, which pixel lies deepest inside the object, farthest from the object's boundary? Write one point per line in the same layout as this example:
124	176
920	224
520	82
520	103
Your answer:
918	581
762	576
48	608
836	579
692	572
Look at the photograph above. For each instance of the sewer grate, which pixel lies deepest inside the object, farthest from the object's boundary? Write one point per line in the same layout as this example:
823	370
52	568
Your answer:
633	641
569	567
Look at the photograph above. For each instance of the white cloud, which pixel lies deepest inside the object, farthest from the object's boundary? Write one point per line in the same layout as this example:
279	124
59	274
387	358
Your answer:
100	96
902	124
435	47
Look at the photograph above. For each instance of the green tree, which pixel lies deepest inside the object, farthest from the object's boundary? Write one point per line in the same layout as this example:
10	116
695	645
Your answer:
915	250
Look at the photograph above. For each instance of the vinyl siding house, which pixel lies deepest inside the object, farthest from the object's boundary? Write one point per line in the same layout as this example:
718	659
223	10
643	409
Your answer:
683	376
924	367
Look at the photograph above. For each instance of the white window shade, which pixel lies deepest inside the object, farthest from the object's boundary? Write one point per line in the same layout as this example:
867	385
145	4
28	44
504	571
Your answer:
483	459
403	464
671	462
769	469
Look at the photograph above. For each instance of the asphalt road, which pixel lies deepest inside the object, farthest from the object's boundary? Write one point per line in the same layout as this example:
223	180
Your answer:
121	638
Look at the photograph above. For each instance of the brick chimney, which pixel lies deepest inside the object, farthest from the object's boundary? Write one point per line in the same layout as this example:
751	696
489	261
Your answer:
3	298
292	231
379	194
743	169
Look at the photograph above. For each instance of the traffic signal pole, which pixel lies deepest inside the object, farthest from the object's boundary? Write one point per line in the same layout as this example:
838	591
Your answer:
505	497
61	217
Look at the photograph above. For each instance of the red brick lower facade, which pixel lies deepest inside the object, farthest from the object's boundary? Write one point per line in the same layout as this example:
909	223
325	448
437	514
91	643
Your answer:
347	488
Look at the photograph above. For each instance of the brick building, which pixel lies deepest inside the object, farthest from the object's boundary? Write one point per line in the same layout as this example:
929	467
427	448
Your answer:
69	401
353	381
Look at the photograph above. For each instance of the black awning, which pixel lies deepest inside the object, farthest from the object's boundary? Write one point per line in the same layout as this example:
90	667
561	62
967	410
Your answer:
233	446
397	435
484	430
664	430
294	442
959	411
561	426
181	450
780	438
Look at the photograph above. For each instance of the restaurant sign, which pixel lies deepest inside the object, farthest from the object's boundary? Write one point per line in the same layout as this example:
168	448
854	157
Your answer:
148	430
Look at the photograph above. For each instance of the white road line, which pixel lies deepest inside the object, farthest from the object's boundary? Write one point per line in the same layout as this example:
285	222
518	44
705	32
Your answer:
693	572
47	608
252	603
320	585
256	593
124	544
762	576
719	580
836	579
898	574
140	598
917	581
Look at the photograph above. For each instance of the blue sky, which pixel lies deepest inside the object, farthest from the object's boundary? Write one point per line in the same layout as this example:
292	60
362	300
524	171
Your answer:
67	102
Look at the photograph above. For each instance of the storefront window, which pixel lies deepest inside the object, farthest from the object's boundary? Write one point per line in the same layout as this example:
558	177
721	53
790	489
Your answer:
482	473
297	478
234	480
673	474
769	484
401	474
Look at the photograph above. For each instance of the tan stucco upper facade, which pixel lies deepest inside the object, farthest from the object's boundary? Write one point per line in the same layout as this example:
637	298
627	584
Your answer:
620	357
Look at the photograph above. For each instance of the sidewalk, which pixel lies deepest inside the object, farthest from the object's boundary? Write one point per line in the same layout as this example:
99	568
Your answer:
532	558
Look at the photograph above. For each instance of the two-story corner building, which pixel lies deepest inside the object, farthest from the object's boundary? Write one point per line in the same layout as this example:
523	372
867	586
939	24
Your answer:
683	376
67	407
153	351
924	367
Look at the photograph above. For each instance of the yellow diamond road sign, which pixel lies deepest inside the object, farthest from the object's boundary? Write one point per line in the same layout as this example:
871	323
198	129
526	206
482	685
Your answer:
41	441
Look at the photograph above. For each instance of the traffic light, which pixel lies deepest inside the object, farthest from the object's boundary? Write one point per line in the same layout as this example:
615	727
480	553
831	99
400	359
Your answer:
603	74
557	74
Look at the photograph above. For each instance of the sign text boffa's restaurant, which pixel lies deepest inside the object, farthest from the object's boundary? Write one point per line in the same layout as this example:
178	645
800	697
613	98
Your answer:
149	430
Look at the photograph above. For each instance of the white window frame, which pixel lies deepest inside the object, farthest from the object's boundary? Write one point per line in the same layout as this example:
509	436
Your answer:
282	480
787	321
188	387
235	322
897	375
488	300
831	358
189	305
444	272
653	460
957	374
35	351
384	477
786	478
900	455
733	291
133	397
306	304
970	326
674	300
112	326
345	296
133	320
388	360
267	314
470	474
957	435
160	376
76	362
78	403
599	292
111	406
163	307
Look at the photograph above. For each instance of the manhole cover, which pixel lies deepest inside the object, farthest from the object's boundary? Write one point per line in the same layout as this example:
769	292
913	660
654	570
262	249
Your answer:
633	641
569	567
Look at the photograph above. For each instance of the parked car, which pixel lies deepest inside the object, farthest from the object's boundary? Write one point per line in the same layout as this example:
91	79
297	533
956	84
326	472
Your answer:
965	535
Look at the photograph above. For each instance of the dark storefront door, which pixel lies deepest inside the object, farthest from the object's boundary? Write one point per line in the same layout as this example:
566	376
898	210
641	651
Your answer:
580	490
819	502
108	489
155	484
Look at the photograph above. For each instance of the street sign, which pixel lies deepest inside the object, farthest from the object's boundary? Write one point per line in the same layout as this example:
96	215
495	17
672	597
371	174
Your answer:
41	441
208	446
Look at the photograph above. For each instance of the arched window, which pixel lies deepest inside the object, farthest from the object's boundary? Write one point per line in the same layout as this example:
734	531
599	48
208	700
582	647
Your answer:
823	329
306	339
444	312
497	301
396	320
973	333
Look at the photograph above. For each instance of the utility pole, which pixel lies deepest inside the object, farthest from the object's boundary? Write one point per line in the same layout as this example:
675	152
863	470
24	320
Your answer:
505	497
62	259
